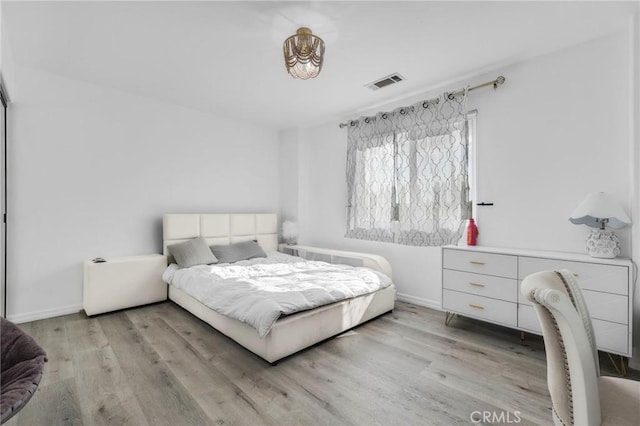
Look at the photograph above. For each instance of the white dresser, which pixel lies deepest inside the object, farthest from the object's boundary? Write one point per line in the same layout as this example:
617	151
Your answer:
484	283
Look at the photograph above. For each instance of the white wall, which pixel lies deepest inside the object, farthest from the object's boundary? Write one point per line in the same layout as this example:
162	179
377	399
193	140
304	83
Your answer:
92	170
555	131
289	175
7	66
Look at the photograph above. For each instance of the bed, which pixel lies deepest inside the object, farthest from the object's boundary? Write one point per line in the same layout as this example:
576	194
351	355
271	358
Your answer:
291	333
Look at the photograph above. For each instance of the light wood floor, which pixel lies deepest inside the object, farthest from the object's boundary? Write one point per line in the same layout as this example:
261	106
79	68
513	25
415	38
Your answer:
158	365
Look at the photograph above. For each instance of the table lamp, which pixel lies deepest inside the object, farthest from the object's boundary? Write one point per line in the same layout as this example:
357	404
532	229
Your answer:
600	210
290	232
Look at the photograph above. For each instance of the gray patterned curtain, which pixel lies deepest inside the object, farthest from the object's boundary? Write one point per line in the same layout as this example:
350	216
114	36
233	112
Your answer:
407	174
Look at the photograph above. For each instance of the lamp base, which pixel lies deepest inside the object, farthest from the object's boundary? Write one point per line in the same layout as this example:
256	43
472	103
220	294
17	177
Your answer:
603	244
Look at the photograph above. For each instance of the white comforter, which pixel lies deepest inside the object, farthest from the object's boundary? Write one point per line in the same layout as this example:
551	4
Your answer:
259	291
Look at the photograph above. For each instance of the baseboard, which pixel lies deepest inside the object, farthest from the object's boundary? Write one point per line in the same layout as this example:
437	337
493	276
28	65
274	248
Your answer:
427	303
47	313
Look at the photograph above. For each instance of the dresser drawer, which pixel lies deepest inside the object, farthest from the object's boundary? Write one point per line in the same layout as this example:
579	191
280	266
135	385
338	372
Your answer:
521	298
500	265
484	308
607	306
481	285
528	319
604	306
590	276
611	337
484	283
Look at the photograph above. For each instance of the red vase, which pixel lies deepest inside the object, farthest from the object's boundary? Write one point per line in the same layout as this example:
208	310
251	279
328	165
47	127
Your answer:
472	233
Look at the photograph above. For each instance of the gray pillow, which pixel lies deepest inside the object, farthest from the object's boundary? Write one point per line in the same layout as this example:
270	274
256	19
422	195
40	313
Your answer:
192	252
238	251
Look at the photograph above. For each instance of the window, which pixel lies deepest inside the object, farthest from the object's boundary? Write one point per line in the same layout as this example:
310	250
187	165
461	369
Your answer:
408	174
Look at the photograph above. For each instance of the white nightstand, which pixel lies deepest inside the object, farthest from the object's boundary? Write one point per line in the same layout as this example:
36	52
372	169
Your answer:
123	282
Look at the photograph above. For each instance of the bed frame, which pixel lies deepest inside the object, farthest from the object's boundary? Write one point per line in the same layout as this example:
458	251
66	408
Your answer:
289	334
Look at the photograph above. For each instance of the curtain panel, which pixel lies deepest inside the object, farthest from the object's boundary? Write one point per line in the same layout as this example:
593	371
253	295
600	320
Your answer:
407	174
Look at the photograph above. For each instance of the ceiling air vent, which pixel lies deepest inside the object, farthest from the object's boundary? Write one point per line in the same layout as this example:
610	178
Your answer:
385	81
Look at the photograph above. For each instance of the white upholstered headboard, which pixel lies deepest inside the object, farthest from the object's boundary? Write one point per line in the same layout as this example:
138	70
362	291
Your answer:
221	228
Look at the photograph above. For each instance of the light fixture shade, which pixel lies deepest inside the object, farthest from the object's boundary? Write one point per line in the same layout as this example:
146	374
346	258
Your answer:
303	54
290	232
599	209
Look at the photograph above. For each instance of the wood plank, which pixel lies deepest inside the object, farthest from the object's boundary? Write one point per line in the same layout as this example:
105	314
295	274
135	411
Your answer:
219	397
53	404
52	337
289	403
209	342
395	374
162	398
503	339
107	398
468	373
85	333
159	364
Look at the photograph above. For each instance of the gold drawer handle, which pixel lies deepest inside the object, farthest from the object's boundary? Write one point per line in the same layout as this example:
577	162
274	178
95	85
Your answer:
575	274
473	305
476	262
476	284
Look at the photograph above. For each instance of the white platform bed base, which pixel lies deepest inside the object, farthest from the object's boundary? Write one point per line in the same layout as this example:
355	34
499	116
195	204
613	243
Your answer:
289	334
295	332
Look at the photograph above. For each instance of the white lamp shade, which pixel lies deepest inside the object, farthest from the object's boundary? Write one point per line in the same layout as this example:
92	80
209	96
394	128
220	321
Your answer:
290	231
598	206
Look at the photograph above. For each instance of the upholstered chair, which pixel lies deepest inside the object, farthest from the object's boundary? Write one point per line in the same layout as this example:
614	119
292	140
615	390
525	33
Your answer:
579	395
21	366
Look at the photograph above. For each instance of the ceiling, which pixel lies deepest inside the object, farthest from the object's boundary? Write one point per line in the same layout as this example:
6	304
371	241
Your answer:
226	57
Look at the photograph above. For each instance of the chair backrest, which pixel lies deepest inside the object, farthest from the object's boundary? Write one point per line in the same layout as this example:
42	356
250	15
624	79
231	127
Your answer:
579	302
572	357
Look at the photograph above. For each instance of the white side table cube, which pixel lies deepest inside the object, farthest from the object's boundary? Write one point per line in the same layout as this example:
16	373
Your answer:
123	282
